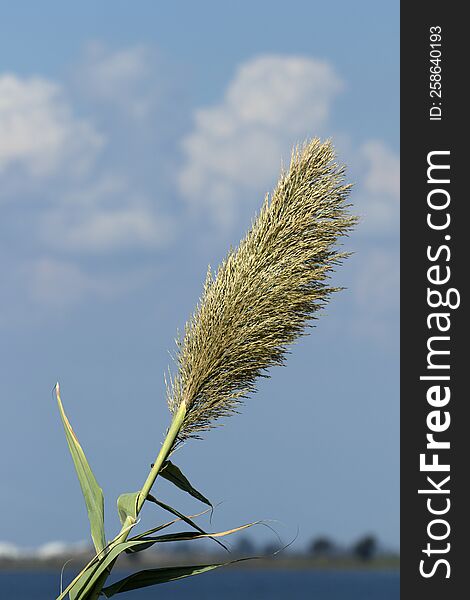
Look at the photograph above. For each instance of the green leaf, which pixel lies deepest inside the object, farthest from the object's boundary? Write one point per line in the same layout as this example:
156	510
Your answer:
127	506
184	518
82	581
144	546
149	532
76	587
90	577
150	577
165	525
155	576
172	473
183	536
92	492
93	575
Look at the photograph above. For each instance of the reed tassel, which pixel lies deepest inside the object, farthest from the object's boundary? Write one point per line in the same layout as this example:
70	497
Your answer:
261	299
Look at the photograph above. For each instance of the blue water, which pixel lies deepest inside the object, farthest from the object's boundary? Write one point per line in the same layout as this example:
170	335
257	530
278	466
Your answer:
231	585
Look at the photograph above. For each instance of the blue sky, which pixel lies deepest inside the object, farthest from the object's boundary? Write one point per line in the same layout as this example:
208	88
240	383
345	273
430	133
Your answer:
136	143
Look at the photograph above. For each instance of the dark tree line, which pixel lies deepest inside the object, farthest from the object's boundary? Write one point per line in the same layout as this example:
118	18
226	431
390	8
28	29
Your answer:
364	548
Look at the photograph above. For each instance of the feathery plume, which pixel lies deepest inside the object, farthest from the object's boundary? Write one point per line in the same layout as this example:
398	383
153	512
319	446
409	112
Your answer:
264	293
261	299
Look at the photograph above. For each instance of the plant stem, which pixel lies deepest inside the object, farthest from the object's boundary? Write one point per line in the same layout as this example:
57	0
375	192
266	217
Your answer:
157	465
162	455
144	492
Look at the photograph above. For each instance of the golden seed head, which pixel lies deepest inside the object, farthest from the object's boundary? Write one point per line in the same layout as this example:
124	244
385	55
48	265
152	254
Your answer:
265	292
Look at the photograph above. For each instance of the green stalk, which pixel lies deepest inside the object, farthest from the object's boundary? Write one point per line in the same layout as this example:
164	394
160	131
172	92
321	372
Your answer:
144	492
162	455
157	465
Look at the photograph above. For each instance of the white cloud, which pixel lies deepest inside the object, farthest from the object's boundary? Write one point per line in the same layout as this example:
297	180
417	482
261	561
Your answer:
9	551
38	130
235	148
384	173
100	230
378	197
105	216
53	549
58	283
270	90
54	284
129	78
58	549
232	155
35	289
76	208
377	295
69	192
377	285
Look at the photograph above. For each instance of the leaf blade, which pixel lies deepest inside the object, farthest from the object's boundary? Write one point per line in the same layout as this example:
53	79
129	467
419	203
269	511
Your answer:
92	492
183	517
151	577
172	473
165	525
127	506
85	584
183	536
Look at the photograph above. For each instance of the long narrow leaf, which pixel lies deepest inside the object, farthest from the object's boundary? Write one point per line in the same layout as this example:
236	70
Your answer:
92	492
193	535
165	525
83	576
150	577
86	585
184	536
184	518
173	473
85	573
87	576
149	532
77	585
91	573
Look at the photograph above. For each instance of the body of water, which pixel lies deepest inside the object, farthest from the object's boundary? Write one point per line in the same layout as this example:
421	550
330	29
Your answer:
235	584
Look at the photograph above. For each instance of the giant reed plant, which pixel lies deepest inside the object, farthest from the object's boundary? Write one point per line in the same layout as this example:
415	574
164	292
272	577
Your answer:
259	301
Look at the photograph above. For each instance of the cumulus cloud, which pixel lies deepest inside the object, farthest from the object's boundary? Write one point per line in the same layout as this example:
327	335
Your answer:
377	294
133	79
39	131
234	149
378	195
58	283
47	282
92	230
84	204
9	551
377	284
78	183
86	184
115	71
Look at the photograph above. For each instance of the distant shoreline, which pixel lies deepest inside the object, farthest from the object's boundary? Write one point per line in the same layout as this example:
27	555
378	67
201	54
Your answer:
301	562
